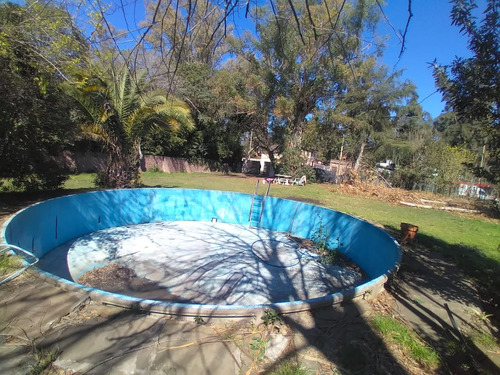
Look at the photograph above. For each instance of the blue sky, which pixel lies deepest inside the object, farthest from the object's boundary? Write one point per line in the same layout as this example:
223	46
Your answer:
430	36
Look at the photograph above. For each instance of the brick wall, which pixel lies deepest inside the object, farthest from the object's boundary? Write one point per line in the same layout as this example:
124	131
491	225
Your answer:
90	162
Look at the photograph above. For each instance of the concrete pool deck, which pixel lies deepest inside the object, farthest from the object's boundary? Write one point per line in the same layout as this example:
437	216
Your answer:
91	338
205	263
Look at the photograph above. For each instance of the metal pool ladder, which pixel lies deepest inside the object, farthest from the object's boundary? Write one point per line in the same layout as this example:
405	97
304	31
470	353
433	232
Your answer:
257	205
15	249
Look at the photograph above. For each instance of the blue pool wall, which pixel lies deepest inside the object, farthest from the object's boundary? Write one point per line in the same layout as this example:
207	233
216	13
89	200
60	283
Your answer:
46	225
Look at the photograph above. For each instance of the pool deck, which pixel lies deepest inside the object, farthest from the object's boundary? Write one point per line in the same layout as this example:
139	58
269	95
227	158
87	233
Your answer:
92	338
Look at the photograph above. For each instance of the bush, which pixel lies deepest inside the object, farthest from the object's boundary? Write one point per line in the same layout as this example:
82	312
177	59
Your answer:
43	175
406	178
306	170
303	170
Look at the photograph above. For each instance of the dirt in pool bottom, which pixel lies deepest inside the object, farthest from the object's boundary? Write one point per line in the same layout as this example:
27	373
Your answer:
117	278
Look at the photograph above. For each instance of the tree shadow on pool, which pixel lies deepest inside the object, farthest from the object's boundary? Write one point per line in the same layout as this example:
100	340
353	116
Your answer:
329	339
333	339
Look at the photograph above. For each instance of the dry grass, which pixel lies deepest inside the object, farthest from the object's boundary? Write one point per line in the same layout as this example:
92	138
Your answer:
383	193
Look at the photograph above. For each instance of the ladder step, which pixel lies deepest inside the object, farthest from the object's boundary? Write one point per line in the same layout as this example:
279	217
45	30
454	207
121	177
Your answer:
257	206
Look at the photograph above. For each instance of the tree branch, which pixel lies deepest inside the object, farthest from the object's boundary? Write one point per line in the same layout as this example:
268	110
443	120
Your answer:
297	21
311	20
410	15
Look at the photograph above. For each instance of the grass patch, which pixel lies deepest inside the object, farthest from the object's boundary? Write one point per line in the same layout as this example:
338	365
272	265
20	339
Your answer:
397	332
9	263
208	181
289	368
485	340
44	360
80	181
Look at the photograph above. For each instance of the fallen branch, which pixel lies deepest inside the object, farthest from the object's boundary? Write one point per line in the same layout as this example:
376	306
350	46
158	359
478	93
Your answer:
459	209
415	205
429	201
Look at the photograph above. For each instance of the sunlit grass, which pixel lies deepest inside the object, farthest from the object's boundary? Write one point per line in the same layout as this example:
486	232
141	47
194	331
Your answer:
80	181
485	340
410	343
9	263
289	368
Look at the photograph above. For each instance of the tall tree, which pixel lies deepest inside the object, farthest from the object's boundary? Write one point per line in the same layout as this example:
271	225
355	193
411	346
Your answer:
39	48
471	86
219	102
364	109
298	62
184	31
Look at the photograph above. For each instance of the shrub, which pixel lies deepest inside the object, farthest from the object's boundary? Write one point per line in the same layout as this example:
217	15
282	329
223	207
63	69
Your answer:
406	178
46	175
271	317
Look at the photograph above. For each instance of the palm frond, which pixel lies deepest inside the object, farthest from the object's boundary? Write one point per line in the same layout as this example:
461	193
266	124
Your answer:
97	133
88	104
122	111
170	115
93	89
126	92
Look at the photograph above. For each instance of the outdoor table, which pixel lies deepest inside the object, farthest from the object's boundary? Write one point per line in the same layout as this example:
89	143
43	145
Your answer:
283	179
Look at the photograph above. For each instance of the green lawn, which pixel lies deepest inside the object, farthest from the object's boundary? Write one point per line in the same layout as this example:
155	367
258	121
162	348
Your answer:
474	243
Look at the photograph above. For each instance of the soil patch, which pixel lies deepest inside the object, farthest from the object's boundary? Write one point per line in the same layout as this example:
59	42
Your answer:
434	298
325	256
119	279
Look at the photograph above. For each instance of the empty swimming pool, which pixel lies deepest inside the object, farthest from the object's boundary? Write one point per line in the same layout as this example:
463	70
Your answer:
194	252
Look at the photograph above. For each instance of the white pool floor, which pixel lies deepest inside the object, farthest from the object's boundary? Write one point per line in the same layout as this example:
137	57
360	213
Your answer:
206	263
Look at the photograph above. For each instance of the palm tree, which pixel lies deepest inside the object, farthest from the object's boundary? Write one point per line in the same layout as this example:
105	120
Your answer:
120	111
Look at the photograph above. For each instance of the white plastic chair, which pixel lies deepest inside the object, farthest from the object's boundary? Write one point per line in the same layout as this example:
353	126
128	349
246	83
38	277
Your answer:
301	182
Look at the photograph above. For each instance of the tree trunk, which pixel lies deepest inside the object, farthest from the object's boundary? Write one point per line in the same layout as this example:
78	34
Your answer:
142	161
360	157
271	164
